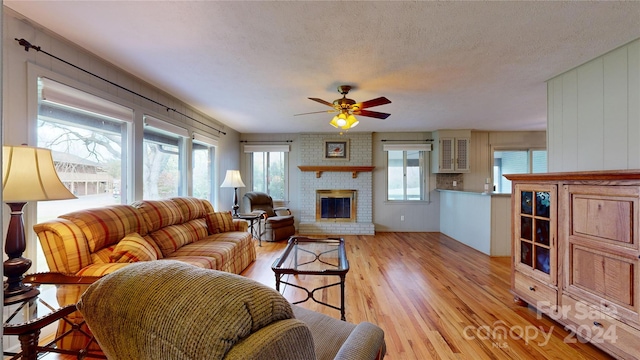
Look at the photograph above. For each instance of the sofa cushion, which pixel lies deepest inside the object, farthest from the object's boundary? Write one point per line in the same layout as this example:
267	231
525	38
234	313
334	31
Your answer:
172	238
159	213
233	307
220	222
107	225
133	248
205	262
102	256
192	208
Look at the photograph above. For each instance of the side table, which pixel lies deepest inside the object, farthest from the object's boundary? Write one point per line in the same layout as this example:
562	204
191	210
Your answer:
256	232
56	301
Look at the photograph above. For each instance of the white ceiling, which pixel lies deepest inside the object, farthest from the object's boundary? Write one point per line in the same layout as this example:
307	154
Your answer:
252	65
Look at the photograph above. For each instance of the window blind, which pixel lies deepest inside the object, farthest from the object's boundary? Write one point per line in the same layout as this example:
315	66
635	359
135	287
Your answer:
266	148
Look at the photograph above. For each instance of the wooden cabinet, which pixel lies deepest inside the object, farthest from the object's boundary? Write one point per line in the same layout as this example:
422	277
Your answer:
584	270
534	242
451	151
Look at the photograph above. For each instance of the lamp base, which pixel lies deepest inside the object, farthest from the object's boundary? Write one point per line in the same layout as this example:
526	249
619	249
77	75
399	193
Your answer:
25	292
14	290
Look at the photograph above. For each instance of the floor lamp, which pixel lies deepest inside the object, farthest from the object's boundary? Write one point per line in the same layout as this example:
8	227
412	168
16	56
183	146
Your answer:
233	180
28	174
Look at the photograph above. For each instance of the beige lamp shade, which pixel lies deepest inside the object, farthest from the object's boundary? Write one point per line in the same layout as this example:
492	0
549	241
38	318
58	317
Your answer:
28	174
232	179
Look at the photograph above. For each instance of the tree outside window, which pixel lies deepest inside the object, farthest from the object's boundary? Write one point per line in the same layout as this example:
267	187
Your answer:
268	173
405	175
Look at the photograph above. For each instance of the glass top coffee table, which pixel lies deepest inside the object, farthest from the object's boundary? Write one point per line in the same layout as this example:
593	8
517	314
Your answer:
308	256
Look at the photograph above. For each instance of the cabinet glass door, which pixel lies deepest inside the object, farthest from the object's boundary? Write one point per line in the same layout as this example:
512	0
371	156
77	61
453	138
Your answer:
535	228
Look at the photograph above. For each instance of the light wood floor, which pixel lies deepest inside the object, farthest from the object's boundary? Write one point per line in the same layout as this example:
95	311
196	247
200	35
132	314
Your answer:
434	297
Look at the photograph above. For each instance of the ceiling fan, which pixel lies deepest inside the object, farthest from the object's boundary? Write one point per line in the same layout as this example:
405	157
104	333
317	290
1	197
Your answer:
347	108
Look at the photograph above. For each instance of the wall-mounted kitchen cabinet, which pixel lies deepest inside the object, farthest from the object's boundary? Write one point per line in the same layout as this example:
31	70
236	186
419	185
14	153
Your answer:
451	151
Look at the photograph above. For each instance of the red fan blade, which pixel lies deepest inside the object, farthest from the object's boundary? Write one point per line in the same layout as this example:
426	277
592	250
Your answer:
373	102
321	101
317	112
373	114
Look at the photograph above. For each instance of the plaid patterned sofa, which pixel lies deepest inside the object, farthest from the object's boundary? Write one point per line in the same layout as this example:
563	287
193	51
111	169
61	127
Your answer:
95	242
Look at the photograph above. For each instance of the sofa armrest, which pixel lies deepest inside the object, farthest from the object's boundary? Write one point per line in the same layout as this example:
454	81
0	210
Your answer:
366	341
288	339
240	225
64	246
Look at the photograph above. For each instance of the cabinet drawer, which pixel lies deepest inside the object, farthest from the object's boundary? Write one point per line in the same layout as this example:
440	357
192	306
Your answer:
604	214
600	329
536	293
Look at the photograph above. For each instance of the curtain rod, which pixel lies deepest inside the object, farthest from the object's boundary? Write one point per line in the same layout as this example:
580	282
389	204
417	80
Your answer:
266	141
27	45
425	140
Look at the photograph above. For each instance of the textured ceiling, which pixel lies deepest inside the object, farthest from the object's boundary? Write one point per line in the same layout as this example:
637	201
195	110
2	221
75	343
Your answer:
252	65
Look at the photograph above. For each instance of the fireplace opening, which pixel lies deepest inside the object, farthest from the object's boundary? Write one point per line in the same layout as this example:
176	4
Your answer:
336	205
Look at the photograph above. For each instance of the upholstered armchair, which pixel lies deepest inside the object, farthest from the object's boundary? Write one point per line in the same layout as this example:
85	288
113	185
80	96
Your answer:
173	310
278	221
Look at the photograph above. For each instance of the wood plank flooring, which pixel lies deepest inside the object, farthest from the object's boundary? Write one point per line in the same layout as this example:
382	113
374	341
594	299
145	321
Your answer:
434	297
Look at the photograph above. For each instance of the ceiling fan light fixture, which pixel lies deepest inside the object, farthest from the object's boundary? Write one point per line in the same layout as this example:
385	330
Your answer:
351	122
334	121
342	119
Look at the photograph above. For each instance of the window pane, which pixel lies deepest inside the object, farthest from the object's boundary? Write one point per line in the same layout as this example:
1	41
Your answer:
539	161
259	174
395	175
275	179
414	180
161	165
202	171
87	149
509	162
516	162
269	172
405	175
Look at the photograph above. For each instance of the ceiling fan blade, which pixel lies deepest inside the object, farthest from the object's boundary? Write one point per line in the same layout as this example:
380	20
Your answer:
321	101
373	102
317	112
373	114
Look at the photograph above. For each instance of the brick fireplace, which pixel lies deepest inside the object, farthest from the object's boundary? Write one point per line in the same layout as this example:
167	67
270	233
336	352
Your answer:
360	183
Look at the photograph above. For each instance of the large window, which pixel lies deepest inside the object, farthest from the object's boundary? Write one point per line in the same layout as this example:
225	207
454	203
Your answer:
163	160
87	137
516	162
268	167
268	173
407	172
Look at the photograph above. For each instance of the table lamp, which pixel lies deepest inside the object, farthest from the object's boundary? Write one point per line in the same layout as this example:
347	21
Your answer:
28	174
233	180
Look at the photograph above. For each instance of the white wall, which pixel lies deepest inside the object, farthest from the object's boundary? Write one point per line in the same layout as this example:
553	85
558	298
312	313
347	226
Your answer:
418	216
593	120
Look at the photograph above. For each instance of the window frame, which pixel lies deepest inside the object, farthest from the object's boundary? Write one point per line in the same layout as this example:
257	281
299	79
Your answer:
163	129
424	151
528	149
249	150
211	154
57	102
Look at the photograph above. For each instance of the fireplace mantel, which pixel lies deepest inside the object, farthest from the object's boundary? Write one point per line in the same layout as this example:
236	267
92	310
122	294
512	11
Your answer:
354	170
